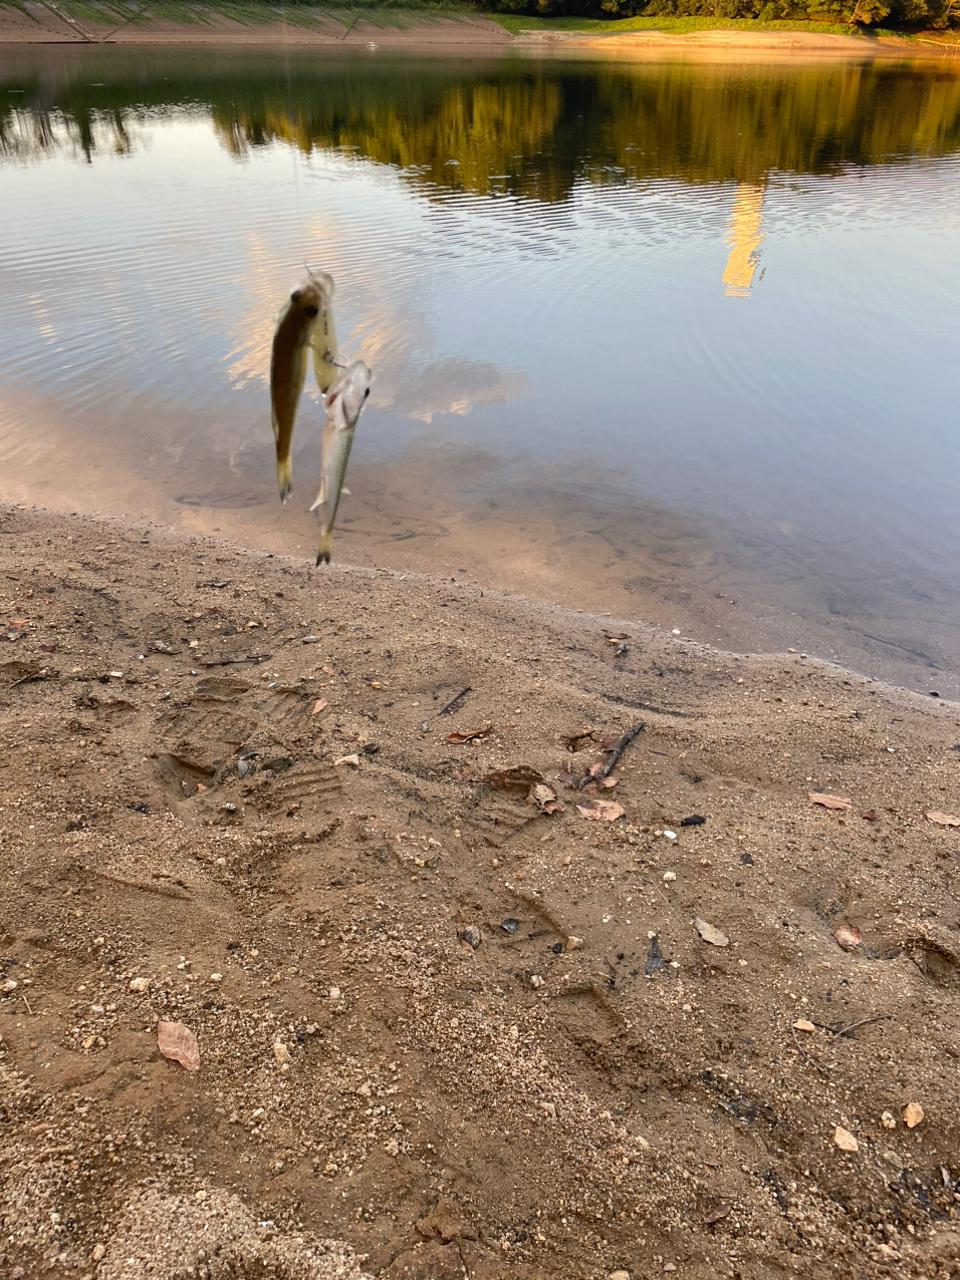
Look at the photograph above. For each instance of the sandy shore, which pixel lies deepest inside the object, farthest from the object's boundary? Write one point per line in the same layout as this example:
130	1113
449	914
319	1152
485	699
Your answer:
445	1021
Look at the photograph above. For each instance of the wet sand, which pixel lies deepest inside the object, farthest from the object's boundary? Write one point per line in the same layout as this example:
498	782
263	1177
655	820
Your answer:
444	1020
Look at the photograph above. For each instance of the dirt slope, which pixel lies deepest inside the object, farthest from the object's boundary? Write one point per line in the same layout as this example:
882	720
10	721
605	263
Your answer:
593	1086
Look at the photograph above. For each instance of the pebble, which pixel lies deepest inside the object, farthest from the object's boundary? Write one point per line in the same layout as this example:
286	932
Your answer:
9	985
573	942
472	935
619	1275
888	1120
669	835
510	925
140	984
334	993
536	981
669	876
98	1252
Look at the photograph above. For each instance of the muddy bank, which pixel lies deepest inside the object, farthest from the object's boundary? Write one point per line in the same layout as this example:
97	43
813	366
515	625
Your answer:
440	1026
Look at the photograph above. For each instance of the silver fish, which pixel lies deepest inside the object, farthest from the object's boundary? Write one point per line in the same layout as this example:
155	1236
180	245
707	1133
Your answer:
306	321
345	399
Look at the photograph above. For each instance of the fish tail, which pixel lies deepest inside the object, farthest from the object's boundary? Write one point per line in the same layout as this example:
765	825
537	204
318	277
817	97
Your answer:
284	478
325	548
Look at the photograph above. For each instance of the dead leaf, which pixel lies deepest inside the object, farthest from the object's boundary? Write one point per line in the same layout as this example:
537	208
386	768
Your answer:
321	704
459	738
18	622
545	798
610	741
845	1139
828	801
944	819
177	1042
709	934
614	636
870	815
602	810
912	1114
802	1024
848	937
720	1212
608	783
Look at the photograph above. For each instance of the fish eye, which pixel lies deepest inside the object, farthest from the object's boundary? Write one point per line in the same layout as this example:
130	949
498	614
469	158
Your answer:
296	295
311	311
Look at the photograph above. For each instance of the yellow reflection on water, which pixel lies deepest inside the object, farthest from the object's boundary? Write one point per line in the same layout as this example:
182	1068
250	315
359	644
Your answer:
745	238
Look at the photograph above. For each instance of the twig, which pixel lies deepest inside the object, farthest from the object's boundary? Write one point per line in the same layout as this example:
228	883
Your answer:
615	755
844	1031
803	1054
229	662
27	1003
453	701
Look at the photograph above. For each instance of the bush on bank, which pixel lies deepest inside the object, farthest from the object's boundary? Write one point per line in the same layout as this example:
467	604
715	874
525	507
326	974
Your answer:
904	14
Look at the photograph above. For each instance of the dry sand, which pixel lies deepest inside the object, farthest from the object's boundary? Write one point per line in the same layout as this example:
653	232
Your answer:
593	1086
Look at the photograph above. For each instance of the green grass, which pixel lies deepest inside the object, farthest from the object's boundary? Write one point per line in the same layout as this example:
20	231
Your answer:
516	23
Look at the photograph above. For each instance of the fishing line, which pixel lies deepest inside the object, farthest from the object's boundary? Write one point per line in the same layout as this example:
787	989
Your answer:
300	237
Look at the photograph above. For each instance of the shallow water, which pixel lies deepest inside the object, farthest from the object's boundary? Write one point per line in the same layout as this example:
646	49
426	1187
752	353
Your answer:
672	339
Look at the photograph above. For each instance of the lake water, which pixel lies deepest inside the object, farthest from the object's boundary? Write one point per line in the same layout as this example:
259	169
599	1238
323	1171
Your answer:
673	339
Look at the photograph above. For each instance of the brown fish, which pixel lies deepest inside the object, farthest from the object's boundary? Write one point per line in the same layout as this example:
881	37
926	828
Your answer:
295	332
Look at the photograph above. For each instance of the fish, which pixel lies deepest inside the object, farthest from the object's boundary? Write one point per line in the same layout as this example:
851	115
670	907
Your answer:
306	318
323	338
345	399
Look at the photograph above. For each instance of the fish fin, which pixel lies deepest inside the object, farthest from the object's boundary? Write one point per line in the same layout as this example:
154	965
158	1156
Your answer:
346	491
325	548
285	478
321	496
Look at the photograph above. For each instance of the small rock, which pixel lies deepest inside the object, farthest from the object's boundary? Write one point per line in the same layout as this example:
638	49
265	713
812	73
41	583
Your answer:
281	1053
888	1120
392	1147
695	820
848	937
140	984
472	936
98	1252
334	993
802	1024
669	876
352	760
574	943
8	986
709	934
669	835
619	1275
669	1266
536	981
845	1139
912	1114
216	977
510	925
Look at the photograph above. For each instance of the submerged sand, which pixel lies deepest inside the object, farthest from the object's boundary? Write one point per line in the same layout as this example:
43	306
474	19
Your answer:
442	1031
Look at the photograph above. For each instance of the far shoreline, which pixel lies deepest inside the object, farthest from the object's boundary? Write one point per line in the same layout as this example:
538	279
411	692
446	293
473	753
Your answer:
421	31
